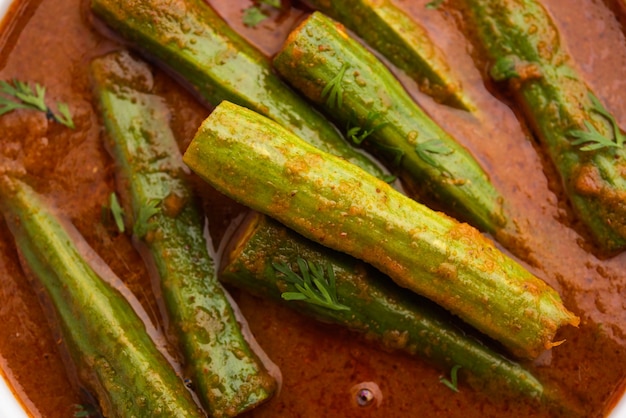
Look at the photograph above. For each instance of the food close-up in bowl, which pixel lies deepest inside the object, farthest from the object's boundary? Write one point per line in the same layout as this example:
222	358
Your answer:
356	208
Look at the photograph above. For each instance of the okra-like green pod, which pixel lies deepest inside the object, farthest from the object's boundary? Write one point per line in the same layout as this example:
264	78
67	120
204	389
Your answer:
191	39
339	74
582	138
405	43
377	308
226	374
260	164
111	350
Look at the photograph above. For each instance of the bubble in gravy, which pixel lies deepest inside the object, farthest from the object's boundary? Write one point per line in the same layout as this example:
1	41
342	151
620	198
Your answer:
366	394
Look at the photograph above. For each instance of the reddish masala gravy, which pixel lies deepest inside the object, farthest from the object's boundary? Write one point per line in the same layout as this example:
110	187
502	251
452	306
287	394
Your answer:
52	42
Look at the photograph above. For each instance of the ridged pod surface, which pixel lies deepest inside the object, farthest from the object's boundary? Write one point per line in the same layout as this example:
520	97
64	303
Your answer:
258	163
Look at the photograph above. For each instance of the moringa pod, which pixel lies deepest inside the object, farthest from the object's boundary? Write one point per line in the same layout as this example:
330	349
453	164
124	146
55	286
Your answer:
260	164
112	352
226	373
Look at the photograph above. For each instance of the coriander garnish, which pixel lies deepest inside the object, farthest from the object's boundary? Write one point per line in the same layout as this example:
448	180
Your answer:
254	15
593	139
117	212
312	285
21	96
452	384
432	146
147	211
334	90
359	133
396	153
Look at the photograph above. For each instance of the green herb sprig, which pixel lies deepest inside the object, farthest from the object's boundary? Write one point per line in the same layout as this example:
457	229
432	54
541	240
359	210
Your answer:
452	384
19	95
333	91
141	226
312	285
117	212
396	153
432	146
256	14
358	134
592	139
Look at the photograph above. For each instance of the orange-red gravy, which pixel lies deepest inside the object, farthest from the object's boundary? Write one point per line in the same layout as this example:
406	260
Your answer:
52	42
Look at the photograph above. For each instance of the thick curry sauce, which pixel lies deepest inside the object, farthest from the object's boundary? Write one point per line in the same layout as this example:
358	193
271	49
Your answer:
53	41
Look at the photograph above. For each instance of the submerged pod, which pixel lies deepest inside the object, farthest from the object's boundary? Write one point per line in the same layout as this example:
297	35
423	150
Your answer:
352	85
226	374
395	318
526	52
111	351
405	43
260	164
191	39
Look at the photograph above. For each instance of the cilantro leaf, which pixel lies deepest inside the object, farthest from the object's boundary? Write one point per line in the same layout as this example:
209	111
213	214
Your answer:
19	95
432	146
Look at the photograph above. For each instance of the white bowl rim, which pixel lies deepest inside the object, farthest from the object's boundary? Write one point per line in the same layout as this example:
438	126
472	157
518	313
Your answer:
4	6
10	405
619	410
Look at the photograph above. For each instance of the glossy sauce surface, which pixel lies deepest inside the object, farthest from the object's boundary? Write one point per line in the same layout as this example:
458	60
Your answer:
52	42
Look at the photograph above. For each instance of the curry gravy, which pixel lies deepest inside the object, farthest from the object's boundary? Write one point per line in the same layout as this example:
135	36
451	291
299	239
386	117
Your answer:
53	41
